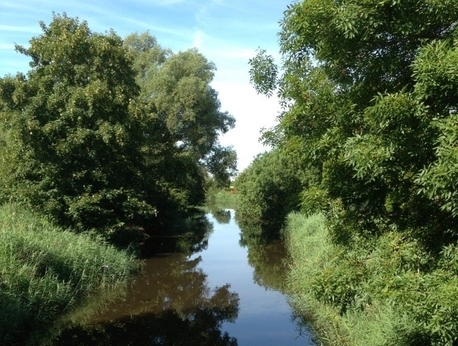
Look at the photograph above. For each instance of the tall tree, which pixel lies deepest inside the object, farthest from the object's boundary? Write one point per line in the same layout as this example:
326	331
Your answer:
71	130
91	137
361	94
176	87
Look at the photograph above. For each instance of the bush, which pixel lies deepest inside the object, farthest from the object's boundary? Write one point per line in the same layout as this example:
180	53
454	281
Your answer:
380	291
270	187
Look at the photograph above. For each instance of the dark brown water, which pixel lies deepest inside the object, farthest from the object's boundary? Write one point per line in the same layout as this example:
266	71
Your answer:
226	294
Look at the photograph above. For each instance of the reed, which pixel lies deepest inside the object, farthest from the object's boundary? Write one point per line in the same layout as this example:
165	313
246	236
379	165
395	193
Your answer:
312	254
45	271
386	290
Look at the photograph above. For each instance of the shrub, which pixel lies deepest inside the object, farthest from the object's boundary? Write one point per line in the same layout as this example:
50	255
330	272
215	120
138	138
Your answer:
383	291
269	188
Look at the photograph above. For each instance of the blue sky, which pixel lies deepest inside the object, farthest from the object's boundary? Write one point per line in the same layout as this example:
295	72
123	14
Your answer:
227	32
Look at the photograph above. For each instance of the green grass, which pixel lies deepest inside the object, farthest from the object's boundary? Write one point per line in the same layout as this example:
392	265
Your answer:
385	290
45	271
312	257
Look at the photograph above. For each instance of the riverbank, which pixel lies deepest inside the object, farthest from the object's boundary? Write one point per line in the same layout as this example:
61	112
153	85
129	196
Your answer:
45	271
384	291
194	299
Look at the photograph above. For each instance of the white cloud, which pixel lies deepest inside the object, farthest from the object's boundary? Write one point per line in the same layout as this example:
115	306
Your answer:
198	39
252	112
154	29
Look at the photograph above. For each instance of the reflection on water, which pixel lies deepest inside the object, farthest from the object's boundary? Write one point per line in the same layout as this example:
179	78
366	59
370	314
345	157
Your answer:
170	304
254	262
210	297
266	254
172	283
269	272
188	236
222	216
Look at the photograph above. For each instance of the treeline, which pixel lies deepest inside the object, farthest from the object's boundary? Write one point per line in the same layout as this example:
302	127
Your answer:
367	139
104	142
110	134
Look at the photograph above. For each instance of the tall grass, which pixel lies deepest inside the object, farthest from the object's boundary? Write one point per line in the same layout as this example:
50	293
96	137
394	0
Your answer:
45	271
385	290
312	256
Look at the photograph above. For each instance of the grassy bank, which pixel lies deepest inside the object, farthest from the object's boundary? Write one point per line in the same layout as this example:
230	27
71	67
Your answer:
377	291
45	271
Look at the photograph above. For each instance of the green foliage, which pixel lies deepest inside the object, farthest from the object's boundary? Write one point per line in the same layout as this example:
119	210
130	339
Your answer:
269	188
388	290
263	73
436	181
73	141
314	200
46	271
369	89
108	134
176	87
221	199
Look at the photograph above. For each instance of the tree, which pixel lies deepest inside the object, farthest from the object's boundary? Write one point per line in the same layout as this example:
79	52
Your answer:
176	88
110	134
437	88
360	84
71	131
371	93
269	189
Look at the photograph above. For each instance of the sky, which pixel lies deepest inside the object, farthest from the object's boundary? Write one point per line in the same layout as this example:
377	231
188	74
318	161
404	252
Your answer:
226	32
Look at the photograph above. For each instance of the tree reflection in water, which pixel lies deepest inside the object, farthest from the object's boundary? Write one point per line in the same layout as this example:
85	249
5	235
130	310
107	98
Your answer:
186	236
266	253
169	304
222	216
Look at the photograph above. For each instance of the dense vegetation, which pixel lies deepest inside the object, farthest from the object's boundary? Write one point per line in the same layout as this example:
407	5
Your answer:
270	187
369	91
102	141
46	271
109	134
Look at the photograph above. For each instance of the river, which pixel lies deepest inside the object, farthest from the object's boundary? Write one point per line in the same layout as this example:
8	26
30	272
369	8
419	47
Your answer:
228	293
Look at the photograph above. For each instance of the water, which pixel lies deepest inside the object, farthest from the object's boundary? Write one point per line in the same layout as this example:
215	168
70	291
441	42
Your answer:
226	294
264	316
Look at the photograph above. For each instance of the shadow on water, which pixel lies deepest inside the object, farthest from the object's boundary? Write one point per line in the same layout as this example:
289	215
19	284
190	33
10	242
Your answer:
173	302
266	253
222	216
268	257
187	236
170	303
162	309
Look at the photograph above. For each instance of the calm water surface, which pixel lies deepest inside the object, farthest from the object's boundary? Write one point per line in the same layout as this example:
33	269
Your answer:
256	274
226	294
